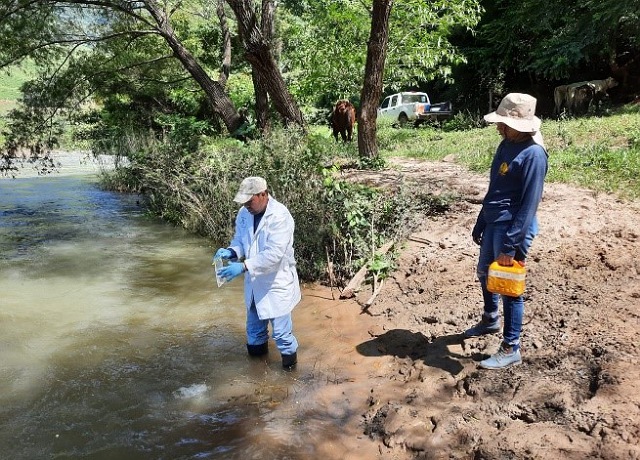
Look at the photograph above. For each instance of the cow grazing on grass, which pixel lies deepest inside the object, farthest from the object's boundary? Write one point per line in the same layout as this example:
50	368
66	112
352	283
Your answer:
342	120
575	98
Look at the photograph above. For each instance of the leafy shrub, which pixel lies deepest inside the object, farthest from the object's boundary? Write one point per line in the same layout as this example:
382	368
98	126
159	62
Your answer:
338	221
463	121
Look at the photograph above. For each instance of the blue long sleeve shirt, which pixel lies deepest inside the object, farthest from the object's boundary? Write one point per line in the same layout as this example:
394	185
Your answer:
516	184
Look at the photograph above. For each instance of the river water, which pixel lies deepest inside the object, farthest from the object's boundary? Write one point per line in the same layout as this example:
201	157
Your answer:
115	342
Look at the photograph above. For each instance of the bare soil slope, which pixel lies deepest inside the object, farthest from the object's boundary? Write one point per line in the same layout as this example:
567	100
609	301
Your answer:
413	386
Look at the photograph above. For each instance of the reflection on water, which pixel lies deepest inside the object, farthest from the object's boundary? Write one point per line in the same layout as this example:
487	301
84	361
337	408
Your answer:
115	342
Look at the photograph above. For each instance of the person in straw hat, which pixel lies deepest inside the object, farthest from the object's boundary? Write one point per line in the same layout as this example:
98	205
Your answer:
262	250
506	224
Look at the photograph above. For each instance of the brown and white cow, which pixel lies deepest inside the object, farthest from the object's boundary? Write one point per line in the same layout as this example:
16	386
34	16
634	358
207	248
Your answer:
576	97
601	88
342	120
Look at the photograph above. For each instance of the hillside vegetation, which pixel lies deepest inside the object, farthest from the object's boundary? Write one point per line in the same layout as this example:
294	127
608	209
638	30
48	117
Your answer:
10	82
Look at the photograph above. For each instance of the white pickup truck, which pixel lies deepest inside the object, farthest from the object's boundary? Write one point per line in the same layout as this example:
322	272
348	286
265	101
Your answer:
414	107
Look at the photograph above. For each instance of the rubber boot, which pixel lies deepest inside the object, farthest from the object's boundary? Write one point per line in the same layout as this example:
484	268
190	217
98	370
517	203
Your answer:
289	361
258	350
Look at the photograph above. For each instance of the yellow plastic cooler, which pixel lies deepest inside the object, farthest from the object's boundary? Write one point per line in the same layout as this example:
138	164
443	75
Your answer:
509	281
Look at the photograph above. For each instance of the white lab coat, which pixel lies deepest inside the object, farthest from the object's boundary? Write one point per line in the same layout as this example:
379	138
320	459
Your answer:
271	277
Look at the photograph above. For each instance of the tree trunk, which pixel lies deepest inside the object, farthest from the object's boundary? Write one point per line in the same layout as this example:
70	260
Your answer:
225	69
259	86
214	91
262	102
372	86
258	53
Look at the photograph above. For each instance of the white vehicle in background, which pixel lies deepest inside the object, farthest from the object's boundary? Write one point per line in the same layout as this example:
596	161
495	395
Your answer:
412	107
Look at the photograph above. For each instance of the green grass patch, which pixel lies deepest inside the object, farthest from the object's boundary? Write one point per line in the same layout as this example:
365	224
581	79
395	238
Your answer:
599	167
599	153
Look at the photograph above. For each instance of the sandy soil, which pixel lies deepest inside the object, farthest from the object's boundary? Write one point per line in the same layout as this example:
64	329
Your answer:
400	382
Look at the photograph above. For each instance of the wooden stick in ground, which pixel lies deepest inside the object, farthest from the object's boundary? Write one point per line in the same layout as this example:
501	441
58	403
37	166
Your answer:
351	288
330	274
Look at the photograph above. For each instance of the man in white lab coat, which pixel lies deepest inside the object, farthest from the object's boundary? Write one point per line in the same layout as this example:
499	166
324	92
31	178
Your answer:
262	249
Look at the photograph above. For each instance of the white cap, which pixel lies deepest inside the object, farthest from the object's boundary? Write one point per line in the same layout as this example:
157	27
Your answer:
249	187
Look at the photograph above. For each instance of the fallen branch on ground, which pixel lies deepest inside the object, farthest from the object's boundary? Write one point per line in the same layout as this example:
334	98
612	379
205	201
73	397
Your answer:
371	299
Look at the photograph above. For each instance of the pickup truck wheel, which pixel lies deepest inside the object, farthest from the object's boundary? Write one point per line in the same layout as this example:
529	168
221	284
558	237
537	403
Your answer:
403	119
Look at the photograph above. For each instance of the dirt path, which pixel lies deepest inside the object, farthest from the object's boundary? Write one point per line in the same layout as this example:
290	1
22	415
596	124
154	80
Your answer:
404	383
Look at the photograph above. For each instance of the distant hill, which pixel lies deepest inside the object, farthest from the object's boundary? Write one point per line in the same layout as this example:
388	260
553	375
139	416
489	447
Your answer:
10	82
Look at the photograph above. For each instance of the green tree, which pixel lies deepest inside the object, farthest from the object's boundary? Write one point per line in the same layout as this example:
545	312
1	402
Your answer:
66	36
358	38
554	40
259	52
333	67
140	58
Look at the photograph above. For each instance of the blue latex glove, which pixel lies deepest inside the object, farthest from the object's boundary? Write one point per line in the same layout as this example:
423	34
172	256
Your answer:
223	253
231	271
